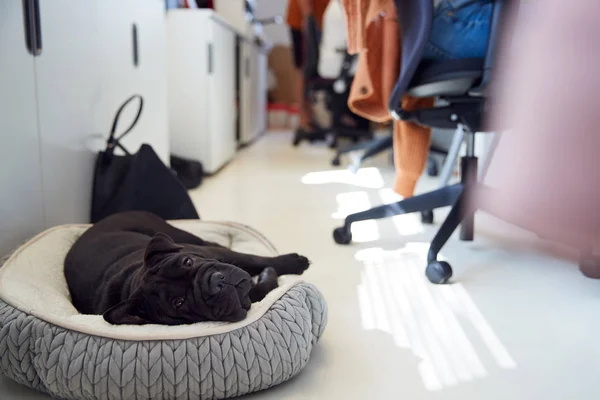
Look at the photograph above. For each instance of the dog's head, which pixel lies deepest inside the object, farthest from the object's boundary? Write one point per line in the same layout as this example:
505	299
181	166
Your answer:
176	287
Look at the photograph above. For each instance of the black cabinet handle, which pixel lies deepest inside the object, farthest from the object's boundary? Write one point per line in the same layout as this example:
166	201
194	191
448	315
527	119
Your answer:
29	34
33	30
210	58
135	47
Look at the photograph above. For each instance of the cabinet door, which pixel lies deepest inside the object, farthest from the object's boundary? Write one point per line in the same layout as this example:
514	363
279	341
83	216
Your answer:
84	73
21	205
138	33
246	97
189	37
259	91
73	103
222	96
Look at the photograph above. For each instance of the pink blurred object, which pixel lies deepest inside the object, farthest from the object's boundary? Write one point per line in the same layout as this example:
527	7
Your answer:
547	166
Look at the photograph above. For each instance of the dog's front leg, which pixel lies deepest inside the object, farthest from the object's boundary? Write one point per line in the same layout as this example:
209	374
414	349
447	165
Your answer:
265	283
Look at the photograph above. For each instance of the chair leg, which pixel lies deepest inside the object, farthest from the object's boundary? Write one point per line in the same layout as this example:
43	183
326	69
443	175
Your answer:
348	149
469	178
449	163
354	147
440	271
429	201
377	146
380	143
489	155
453	152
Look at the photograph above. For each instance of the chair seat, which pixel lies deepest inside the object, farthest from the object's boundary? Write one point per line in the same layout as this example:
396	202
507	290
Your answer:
446	78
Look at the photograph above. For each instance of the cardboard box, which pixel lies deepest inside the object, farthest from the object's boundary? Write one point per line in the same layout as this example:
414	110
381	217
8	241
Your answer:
282	66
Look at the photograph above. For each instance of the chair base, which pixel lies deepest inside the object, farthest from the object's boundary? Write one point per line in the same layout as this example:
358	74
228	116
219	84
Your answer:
314	135
356	136
372	148
458	196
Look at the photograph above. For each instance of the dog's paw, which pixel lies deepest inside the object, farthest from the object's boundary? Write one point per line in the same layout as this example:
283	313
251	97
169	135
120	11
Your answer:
291	264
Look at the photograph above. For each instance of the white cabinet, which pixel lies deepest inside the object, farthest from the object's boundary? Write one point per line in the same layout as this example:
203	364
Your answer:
233	12
201	87
88	62
57	106
246	98
259	78
253	91
21	205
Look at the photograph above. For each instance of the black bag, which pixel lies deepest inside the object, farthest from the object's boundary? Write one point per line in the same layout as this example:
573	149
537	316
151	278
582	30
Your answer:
189	172
136	182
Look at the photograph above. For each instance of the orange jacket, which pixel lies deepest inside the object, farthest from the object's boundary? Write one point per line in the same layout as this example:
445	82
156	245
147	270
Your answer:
373	33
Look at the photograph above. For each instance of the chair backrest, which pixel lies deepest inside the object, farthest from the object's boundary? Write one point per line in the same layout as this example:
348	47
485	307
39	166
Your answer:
415	20
501	12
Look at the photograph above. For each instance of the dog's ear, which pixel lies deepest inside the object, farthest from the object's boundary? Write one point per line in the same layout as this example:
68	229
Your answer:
124	313
160	246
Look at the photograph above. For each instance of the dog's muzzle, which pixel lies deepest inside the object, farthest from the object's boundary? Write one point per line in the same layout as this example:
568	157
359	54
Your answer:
226	289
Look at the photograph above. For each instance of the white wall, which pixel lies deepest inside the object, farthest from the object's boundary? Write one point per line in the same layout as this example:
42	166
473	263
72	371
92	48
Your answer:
276	34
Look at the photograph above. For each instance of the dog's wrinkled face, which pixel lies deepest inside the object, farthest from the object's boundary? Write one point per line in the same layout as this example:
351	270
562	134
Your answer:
176	288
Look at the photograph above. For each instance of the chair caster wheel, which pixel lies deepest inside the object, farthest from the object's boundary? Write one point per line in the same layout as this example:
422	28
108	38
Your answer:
438	272
432	168
296	141
342	235
335	162
590	267
427	217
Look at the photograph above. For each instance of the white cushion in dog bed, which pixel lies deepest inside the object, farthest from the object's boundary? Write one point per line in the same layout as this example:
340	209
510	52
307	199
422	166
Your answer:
47	345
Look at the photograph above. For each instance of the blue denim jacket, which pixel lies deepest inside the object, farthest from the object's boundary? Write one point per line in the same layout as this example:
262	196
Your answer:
460	30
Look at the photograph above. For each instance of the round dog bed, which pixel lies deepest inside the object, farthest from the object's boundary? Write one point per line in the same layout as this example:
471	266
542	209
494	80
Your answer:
47	345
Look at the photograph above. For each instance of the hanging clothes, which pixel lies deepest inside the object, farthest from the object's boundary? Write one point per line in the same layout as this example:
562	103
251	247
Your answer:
374	33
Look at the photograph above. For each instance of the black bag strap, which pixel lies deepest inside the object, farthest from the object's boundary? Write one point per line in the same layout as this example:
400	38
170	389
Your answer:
114	142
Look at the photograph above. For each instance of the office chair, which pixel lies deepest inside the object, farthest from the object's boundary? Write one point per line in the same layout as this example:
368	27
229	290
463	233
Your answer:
371	149
462	84
337	91
378	145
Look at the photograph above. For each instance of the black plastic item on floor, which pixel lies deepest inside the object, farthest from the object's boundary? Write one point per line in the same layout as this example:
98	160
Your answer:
189	172
314	135
136	182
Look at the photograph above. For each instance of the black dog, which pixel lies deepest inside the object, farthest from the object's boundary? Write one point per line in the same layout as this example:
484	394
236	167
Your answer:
135	268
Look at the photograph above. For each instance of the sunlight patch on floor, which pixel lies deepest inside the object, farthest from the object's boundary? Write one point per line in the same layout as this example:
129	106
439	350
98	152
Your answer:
395	297
364	177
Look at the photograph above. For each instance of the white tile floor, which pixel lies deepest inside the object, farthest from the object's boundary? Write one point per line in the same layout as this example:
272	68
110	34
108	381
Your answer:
518	323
